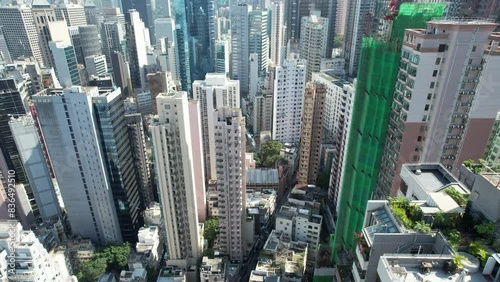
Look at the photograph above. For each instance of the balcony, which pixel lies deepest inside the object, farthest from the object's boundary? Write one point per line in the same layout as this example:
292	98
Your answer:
363	257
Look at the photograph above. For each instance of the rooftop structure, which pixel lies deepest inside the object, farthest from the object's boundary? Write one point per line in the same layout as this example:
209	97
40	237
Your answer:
172	274
212	269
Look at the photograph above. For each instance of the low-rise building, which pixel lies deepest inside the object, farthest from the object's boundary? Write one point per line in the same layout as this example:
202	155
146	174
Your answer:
172	274
137	275
300	223
79	251
149	244
213	270
152	214
281	259
261	178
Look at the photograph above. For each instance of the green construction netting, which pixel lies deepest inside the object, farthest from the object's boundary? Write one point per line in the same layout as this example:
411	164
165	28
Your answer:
378	67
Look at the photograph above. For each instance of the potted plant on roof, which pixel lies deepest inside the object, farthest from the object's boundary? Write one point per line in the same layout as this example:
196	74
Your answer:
457	262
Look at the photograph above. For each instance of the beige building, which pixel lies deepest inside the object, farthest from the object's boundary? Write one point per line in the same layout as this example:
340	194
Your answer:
310	139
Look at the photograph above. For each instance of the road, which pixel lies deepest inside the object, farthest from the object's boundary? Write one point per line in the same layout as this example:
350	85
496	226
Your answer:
253	257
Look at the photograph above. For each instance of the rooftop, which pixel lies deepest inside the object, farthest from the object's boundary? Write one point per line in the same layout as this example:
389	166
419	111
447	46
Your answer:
433	177
261	176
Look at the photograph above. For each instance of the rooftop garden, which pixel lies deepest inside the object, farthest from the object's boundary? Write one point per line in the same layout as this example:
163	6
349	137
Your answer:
481	166
409	215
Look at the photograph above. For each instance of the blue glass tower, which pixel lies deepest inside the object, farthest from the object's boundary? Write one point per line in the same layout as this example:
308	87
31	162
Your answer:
179	11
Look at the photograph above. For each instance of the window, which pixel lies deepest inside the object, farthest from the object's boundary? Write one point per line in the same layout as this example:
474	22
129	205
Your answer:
424	118
474	48
432	85
429	96
434	73
470	61
438	61
442	47
426	107
419	138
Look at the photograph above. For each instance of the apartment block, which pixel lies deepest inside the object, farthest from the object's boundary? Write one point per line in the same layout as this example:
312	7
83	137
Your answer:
230	141
68	123
212	269
173	155
240	45
300	223
336	124
263	112
214	92
313	41
289	85
443	109
311	132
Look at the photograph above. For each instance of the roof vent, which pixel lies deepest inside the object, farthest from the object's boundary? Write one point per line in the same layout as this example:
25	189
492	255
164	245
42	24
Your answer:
418	172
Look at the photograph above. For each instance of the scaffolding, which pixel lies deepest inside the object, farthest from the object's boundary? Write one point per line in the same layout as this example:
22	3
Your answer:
378	67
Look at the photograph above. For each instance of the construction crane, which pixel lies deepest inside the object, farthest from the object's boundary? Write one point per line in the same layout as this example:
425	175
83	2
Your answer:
392	10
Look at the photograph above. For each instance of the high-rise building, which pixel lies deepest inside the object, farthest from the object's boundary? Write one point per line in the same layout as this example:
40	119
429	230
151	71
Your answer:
440	113
20	32
258	40
336	124
173	155
357	24
314	30
230	146
368	127
91	12
112	38
32	157
120	73
278	30
5	57
263	112
140	158
491	152
136	49
214	92
89	42
221	57
73	14
96	65
159	82
289	85
43	15
341	17
311	133
68	123
240	52
65	63
112	128
145	9
178	13
200	28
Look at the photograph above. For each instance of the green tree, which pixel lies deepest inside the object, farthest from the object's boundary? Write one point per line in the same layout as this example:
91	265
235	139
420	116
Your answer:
422	227
211	230
485	230
338	41
270	152
91	271
455	238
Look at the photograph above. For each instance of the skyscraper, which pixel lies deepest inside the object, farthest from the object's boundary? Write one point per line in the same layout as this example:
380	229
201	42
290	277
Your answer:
112	38
96	65
314	30
439	78
221	57
31	155
201	16
278	30
136	49
43	15
240	52
20	32
4	49
88	41
371	109
68	123
145	10
214	92
230	147
178	13
173	155
112	128
289	85
159	82
311	133
73	14
258	40
120	73
65	63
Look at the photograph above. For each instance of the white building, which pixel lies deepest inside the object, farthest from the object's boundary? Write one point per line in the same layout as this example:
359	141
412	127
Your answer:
278	31
313	39
230	159
173	151
336	124
212	270
67	121
240	52
221	57
96	65
32	261
148	242
289	85
20	32
136	48
258	40
300	223
73	14
31	154
65	63
214	92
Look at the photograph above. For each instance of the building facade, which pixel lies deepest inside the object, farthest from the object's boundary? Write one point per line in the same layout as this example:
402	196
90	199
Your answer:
314	30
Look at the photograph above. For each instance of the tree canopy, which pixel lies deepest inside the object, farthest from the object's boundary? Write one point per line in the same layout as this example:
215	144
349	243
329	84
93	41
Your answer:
111	258
270	153
211	230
